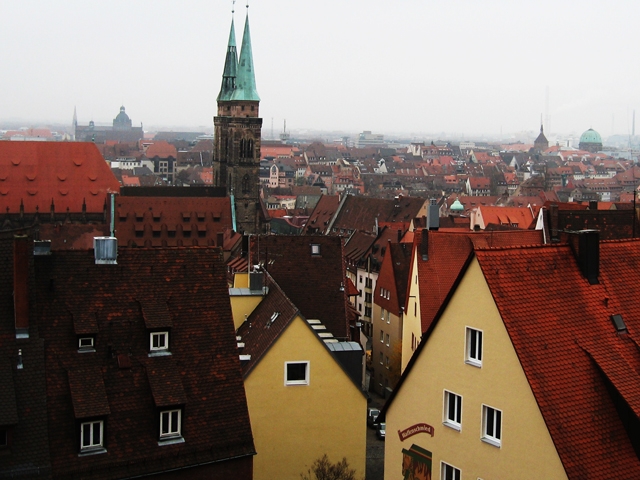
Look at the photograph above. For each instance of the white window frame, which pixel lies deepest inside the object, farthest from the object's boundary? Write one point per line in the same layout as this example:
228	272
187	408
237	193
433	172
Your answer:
381	336
494	423
388	340
89	346
456	422
173	430
91	426
473	356
164	348
305	381
453	474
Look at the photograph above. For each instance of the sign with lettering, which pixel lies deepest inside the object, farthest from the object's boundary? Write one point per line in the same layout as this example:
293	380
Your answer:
415	429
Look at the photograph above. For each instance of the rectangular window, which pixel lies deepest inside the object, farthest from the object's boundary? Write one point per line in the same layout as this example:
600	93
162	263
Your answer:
452	410
159	341
91	435
381	358
367	297
85	343
170	423
474	347
449	472
388	316
387	363
4	437
491	425
381	336
388	340
296	373
382	314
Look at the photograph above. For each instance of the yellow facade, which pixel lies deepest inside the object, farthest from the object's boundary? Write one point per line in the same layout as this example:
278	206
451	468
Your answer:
411	326
294	425
526	450
243	305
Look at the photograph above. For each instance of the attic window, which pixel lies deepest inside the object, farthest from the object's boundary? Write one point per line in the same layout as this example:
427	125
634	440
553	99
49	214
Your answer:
315	249
86	344
618	322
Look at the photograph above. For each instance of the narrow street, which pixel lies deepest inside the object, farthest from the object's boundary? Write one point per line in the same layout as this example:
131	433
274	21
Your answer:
375	446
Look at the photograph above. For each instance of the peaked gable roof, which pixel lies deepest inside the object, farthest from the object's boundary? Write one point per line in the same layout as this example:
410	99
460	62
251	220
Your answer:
581	370
315	283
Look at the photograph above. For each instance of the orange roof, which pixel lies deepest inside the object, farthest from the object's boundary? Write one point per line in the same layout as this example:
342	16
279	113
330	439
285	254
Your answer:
520	216
161	149
579	367
35	174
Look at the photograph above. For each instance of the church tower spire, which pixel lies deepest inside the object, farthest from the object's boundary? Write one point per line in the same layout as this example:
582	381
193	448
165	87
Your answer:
230	68
237	135
246	80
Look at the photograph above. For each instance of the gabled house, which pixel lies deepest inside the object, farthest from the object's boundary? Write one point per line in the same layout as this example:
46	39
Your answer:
134	367
303	388
479	186
529	370
438	258
514	217
389	301
312	273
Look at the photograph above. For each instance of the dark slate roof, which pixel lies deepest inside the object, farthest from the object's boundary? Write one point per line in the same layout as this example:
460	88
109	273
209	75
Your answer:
22	392
314	283
88	394
202	373
265	324
322	214
360	213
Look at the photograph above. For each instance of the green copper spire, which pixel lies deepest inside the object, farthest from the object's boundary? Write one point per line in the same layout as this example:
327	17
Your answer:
246	80
230	68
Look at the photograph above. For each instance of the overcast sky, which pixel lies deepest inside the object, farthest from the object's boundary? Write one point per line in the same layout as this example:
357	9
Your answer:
462	67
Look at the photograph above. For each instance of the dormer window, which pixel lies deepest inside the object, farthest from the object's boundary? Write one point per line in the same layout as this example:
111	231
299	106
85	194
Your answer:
170	424
159	342
92	437
315	249
86	343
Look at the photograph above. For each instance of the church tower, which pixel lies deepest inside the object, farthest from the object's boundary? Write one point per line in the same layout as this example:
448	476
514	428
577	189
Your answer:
237	133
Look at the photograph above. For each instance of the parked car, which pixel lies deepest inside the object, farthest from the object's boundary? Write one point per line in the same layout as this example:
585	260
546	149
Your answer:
372	414
381	430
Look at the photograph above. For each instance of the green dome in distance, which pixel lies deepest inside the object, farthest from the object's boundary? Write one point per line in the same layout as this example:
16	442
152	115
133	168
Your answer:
591	136
456	206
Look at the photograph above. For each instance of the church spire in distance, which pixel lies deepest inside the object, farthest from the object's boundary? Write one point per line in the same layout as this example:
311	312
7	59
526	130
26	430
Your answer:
245	79
230	67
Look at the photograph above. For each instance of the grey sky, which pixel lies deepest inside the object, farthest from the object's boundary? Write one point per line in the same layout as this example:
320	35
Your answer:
455	66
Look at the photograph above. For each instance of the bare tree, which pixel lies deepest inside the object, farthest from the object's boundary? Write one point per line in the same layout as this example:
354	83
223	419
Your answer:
323	469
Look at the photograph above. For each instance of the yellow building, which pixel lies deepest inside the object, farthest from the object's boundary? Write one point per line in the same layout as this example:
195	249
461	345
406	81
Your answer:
303	390
526	373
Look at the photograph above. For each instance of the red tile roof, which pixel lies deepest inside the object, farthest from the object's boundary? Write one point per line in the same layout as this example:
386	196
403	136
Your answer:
161	149
171	221
583	373
35	174
448	252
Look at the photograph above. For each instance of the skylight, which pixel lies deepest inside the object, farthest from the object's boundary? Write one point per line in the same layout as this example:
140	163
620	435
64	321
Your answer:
619	323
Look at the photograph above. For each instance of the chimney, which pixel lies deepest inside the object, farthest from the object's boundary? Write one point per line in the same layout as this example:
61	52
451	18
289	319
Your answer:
433	215
20	285
554	220
586	248
424	246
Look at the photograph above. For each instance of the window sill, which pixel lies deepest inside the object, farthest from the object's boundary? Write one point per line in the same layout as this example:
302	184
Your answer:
473	363
170	441
92	451
492	441
160	353
86	350
454	426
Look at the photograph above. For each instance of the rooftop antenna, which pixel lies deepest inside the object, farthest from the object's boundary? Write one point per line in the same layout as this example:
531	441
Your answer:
233	7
